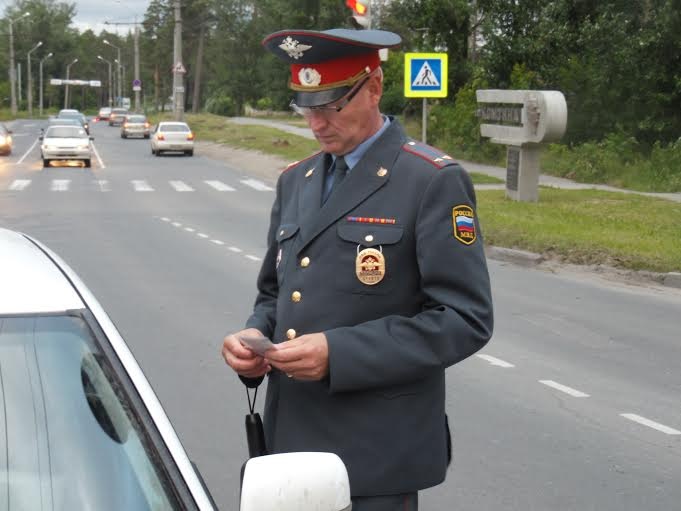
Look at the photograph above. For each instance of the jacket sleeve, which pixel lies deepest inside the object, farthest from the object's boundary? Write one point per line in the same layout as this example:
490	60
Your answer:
456	319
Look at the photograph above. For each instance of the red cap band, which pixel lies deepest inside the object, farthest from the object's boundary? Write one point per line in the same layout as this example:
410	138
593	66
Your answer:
330	74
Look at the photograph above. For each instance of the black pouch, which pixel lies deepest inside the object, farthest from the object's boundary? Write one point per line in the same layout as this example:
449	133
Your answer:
255	434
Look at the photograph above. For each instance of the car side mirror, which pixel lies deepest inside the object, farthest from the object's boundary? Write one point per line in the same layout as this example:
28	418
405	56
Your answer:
295	481
92	138
41	138
10	131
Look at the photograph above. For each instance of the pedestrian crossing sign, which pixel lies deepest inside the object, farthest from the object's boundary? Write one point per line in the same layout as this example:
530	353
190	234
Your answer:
425	75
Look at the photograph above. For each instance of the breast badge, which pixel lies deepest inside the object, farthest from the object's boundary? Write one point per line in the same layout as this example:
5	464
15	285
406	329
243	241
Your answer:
370	266
463	219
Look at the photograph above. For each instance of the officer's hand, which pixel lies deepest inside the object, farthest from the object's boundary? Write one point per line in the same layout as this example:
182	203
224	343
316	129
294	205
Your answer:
241	359
304	358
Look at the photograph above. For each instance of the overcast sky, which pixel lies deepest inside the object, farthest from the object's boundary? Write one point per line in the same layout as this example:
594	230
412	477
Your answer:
93	13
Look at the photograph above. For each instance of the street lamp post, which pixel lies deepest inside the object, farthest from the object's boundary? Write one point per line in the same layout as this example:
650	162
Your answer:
123	81
12	68
110	89
29	93
66	91
119	69
41	80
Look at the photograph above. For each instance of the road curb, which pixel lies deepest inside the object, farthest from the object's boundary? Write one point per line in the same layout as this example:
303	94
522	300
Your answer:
672	279
512	255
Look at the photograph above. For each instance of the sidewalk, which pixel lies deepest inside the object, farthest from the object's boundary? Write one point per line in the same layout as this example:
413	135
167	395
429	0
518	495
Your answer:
498	172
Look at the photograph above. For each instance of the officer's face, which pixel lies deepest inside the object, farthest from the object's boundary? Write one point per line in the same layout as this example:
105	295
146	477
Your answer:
340	132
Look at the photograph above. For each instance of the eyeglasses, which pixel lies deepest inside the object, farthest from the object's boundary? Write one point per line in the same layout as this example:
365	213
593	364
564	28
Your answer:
306	111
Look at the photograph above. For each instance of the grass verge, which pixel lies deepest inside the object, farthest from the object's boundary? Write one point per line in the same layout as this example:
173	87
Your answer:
587	227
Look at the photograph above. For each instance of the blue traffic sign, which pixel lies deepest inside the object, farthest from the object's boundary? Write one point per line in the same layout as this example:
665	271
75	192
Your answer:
425	75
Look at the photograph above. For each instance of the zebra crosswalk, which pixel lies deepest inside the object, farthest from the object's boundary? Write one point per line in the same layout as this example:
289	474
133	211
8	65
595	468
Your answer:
135	185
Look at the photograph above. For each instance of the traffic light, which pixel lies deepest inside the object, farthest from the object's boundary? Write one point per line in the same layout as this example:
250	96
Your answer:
361	18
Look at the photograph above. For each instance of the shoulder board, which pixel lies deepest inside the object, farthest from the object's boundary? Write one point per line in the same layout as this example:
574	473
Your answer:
295	163
428	153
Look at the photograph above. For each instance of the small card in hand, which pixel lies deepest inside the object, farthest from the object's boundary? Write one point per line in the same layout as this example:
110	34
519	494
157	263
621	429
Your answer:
257	344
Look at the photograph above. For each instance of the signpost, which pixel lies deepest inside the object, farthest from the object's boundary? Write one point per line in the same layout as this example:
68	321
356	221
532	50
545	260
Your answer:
523	120
136	85
425	76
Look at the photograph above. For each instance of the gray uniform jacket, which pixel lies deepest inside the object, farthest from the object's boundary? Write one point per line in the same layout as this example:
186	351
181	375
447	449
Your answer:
382	406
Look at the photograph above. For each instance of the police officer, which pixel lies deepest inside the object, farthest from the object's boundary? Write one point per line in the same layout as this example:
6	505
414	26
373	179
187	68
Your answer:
374	280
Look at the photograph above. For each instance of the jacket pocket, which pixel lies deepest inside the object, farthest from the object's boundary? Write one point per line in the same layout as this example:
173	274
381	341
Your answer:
368	258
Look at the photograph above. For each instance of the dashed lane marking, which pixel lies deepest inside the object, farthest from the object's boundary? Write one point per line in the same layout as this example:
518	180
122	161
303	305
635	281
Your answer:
236	250
60	185
181	186
220	186
103	185
651	424
563	388
496	361
141	186
19	184
252	257
257	185
217	242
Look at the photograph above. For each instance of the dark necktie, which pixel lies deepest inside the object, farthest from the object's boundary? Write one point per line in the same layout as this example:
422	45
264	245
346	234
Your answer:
340	170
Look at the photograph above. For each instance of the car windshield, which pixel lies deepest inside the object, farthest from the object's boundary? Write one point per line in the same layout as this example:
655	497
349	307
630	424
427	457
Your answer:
174	127
68	436
136	119
119	111
65	132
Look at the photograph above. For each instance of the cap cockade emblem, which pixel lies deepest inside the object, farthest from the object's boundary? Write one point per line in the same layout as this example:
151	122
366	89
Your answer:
309	77
293	48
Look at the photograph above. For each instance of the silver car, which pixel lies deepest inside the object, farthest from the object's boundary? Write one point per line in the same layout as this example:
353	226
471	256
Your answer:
65	143
135	126
172	136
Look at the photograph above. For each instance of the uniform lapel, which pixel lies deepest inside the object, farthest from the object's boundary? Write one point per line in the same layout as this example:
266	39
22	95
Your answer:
361	182
310	197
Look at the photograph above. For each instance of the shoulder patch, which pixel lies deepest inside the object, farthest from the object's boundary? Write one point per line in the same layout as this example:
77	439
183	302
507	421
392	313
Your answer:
428	153
296	163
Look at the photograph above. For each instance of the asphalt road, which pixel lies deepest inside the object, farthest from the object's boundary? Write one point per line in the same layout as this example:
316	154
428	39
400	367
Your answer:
573	405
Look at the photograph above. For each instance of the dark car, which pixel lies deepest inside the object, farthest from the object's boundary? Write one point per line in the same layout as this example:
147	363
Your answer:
117	116
5	140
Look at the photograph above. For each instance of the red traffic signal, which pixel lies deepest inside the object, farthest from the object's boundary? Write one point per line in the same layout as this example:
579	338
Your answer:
360	13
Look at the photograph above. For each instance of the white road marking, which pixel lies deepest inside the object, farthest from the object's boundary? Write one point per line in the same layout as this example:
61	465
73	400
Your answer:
220	186
177	224
651	424
101	163
257	185
252	257
103	185
201	235
19	184
27	152
235	250
165	219
29	126
189	229
60	185
141	186
217	242
563	388
495	361
181	186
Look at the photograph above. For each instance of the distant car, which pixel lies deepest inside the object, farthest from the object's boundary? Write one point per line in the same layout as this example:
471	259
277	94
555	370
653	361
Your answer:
135	125
117	116
5	140
82	427
65	143
172	136
68	111
104	113
64	114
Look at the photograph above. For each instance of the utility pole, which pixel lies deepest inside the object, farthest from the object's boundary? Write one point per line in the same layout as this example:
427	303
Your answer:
137	59
12	69
178	68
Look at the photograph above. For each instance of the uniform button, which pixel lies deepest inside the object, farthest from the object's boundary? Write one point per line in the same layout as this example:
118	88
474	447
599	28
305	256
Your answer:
290	334
281	233
305	262
296	296
369	238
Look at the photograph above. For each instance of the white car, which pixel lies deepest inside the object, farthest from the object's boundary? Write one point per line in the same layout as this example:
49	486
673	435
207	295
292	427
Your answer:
172	136
65	143
82	427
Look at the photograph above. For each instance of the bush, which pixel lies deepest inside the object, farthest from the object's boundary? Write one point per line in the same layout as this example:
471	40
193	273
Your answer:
264	104
220	104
